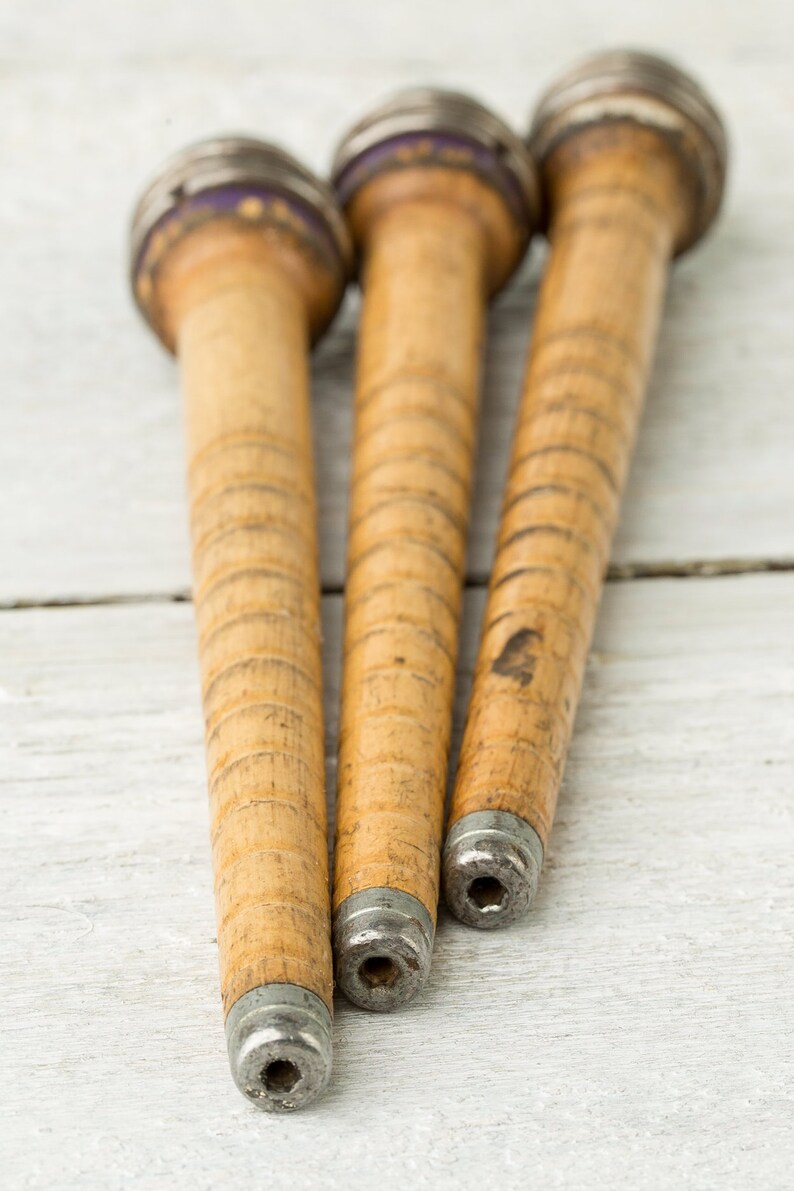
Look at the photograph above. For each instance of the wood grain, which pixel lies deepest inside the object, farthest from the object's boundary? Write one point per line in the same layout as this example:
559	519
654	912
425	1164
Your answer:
241	323
711	477
434	242
617	204
636	1028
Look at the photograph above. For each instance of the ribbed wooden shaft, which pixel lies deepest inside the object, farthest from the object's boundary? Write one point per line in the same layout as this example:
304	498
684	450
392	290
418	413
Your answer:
242	340
616	201
425	290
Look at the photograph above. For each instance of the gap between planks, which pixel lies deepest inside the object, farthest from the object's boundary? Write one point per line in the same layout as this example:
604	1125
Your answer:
617	573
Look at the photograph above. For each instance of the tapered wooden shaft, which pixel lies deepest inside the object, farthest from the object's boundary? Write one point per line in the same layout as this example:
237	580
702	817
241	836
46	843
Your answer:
242	342
611	236
238	280
623	197
436	238
416	408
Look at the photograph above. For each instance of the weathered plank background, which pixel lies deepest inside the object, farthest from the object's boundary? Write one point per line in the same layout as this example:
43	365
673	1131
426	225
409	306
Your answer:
637	1030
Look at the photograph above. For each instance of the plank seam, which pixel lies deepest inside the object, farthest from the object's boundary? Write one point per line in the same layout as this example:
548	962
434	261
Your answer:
618	573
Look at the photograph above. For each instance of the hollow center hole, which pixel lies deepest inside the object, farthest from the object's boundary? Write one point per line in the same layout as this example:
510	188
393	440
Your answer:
280	1076
378	971
487	894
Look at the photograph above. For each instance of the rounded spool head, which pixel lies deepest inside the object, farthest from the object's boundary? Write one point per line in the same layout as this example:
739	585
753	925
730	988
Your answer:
491	868
235	177
629	85
434	127
383	943
279	1040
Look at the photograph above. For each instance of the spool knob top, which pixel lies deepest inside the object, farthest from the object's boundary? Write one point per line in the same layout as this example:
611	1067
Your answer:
246	180
428	126
636	87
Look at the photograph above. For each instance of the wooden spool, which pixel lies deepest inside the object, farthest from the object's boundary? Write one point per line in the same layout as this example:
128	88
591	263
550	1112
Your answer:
441	201
632	156
239	261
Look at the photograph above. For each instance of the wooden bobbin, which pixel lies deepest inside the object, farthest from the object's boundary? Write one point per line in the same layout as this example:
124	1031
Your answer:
441	200
632	156
239	261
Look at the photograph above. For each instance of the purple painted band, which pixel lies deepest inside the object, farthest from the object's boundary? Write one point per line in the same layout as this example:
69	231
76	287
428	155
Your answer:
443	149
193	210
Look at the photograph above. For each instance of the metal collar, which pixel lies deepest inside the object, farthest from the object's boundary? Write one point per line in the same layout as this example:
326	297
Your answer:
632	85
431	109
234	161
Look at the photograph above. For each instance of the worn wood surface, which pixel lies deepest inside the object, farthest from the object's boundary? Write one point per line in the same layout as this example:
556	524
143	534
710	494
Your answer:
236	295
637	1029
617	205
90	449
427	237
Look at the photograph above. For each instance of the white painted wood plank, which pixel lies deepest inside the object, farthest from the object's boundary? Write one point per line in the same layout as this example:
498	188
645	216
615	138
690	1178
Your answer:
636	1031
411	35
93	97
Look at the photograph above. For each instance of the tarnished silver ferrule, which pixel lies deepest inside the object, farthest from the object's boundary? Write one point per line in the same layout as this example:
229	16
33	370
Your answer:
379	141
279	1040
630	85
383	943
491	868
238	177
226	161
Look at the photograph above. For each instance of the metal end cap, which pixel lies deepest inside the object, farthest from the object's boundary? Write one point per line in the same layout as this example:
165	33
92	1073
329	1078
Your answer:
229	161
383	943
279	1040
633	85
420	111
491	868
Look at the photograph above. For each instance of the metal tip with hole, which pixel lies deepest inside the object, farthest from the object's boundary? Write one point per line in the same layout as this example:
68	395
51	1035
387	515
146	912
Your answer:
279	1040
383	943
491	866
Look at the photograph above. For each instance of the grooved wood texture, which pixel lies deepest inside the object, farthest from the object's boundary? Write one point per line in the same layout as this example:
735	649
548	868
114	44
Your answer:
695	493
616	206
242	342
635	1030
425	288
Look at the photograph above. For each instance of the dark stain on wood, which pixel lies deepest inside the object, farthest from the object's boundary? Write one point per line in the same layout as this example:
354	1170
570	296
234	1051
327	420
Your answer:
517	659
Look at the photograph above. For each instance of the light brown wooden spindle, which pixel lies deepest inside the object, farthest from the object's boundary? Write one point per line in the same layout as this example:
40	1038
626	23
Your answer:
625	188
592	346
239	294
436	238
